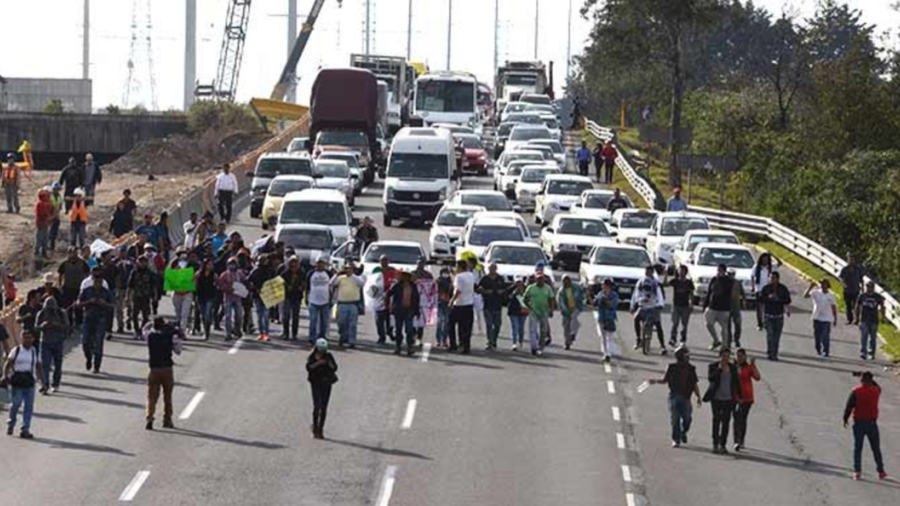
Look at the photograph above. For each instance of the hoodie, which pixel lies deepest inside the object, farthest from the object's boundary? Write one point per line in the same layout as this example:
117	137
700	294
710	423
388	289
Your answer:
43	210
52	322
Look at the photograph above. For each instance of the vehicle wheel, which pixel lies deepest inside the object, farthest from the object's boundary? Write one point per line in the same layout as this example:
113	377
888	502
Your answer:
387	220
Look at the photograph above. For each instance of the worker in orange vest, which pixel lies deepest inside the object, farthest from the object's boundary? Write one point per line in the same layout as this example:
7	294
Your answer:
10	184
43	218
78	220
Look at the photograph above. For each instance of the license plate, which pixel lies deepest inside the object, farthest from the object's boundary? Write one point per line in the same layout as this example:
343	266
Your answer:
415	214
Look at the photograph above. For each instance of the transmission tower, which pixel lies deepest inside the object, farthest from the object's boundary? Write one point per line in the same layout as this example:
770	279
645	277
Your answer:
368	26
140	59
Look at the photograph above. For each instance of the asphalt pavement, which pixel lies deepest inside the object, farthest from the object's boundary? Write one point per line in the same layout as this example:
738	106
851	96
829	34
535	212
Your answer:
494	428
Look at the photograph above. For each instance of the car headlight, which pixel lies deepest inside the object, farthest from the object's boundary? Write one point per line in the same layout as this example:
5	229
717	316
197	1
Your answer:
259	191
552	204
442	195
442	238
390	193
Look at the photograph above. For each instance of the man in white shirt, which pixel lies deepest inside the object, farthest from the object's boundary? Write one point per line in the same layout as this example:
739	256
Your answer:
191	227
226	187
318	298
461	311
824	314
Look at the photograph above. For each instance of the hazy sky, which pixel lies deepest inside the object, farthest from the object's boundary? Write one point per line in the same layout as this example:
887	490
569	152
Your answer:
50	35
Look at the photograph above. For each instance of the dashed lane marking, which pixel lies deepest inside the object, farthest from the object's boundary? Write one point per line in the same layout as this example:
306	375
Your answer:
629	499
134	487
387	486
616	414
426	351
189	409
620	440
410	414
626	474
611	386
607	368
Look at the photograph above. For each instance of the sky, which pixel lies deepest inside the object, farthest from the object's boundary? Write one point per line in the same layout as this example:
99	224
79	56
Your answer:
55	49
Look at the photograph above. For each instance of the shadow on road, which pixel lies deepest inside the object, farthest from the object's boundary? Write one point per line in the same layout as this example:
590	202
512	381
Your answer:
377	449
69	445
263	445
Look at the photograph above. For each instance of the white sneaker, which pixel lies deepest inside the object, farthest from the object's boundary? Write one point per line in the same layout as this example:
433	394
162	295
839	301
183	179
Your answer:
515	347
540	352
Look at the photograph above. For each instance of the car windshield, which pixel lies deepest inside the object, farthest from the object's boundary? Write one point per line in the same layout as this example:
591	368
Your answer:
555	147
396	254
536	99
531	157
342	138
680	226
621	257
597	200
637	220
445	96
515	107
540	108
314	213
351	160
591	228
455	217
273	167
739	259
521	79
537	175
282	188
505	129
333	170
482	235
700	239
489	201
471	142
526	134
306	239
418	165
517	256
297	145
568	187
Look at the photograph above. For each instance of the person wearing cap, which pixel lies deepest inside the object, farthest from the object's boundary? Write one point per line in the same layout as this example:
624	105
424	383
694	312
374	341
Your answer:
776	300
72	177
676	203
232	284
141	291
347	288
163	340
93	176
681	377
78	220
10	181
517	312
862	405
404	297
225	188
22	371
57	199
318	299
606	304
540	303
53	325
321	369
96	300
49	289
869	309
43	217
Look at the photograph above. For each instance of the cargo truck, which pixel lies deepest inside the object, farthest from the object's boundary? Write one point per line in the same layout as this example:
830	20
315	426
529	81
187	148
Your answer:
393	71
516	78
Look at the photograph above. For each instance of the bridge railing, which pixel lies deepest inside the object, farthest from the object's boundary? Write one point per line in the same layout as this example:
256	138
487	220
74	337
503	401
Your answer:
762	226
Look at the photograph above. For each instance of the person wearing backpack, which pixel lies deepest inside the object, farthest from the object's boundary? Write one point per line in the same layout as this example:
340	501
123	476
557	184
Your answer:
20	372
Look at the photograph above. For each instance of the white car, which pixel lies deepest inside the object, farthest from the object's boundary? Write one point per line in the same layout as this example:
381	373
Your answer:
352	159
511	216
559	153
621	263
558	194
569	237
513	108
508	157
685	247
631	226
479	234
595	203
667	229
513	172
319	207
402	255
704	262
530	182
516	259
310	242
447	229
552	124
521	134
335	175
489	199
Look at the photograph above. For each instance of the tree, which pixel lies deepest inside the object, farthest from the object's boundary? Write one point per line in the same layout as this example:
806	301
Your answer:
835	30
113	110
783	61
55	106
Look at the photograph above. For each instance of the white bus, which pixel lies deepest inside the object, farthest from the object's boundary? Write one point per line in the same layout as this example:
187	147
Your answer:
448	97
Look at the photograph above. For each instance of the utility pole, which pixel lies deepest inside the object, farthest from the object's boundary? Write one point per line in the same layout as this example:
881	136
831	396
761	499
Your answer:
190	51
409	32
449	31
496	36
537	25
291	95
86	44
368	26
569	46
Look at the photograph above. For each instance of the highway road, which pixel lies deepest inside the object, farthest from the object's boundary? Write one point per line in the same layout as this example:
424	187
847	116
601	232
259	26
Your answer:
493	428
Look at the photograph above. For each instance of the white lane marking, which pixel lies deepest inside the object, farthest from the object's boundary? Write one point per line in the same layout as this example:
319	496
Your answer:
629	499
410	413
620	440
607	368
626	474
189	409
616	414
610	386
426	351
136	483
387	486
237	345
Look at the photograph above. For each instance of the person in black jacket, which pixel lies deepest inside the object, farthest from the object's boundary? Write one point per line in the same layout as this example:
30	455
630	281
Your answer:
776	301
163	339
404	299
717	306
321	368
72	177
723	391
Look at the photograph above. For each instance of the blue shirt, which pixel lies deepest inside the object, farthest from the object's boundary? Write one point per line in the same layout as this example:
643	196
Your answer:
217	242
606	306
583	155
676	205
151	232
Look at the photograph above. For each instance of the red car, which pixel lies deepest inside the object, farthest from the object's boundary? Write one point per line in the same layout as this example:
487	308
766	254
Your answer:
476	157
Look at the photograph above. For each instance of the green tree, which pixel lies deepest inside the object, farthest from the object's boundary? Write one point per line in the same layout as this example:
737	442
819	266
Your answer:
55	106
113	110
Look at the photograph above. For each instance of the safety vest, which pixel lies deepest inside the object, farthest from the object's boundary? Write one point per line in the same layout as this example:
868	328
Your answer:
78	212
10	173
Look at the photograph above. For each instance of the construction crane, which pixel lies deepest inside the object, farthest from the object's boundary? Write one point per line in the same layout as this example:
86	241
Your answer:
288	73
225	85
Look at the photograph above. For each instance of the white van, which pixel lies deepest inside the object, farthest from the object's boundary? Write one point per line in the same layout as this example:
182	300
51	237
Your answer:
420	174
318	207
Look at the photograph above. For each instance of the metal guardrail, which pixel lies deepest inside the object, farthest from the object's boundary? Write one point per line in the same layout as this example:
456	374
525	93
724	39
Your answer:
750	224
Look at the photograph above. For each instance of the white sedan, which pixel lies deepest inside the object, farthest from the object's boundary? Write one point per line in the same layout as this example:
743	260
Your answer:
480	233
569	237
530	183
516	259
667	229
686	246
447	228
558	194
631	226
502	164
402	255
489	199
705	260
621	263
596	203
335	175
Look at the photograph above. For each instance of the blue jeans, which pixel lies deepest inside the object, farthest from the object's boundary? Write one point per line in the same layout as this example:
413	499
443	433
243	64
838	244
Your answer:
347	319
443	320
233	306
383	326
822	334
680	411
493	321
404	323
319	321
262	316
868	338
861	431
52	359
92	338
538	331
21	396
517	326
77	232
774	327
290	318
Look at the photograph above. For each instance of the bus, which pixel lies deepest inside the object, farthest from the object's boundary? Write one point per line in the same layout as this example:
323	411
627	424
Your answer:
447	97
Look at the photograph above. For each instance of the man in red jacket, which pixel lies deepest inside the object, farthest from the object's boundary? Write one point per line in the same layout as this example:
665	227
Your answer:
609	154
43	217
863	405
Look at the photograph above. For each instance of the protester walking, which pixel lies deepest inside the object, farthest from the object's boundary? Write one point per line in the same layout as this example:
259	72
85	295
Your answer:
232	284
583	158
57	200
12	178
682	304
207	293
388	276
294	285
852	277
675	202
570	300
610	154
225	188
445	293
78	217
462	313
182	296
517	312
141	292
93	176
53	325
43	218
681	377
492	289
717	307
607	305
869	310
96	300
735	319
72	177
163	339
766	264
723	392
71	273
747	374
347	287
318	300
321	371
776	301
647	302
540	301
824	314
21	373
404	301
424	281
862	404
262	272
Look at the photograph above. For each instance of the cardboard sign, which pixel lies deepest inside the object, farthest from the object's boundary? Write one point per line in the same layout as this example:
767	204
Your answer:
272	292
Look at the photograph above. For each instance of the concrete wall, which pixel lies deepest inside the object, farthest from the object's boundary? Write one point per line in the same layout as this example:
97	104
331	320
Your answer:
31	95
